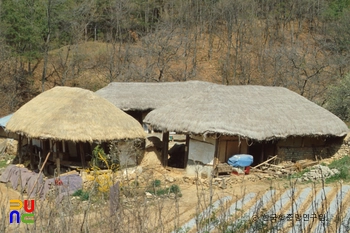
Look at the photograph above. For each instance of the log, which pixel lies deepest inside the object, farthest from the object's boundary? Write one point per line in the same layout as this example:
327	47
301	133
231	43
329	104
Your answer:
259	165
69	173
41	169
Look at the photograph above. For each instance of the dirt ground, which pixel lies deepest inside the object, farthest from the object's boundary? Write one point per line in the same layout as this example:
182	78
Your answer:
197	193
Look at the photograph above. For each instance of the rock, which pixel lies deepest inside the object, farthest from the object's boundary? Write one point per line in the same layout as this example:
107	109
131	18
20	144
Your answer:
186	179
149	195
131	176
169	179
284	171
335	171
279	173
319	172
204	175
138	170
223	185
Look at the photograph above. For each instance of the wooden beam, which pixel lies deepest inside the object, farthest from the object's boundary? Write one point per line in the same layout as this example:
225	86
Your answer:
41	169
30	145
187	150
58	167
19	149
274	157
165	149
82	154
216	152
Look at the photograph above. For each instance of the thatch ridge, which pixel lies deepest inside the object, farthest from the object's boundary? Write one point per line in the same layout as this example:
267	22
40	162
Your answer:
143	96
255	112
70	113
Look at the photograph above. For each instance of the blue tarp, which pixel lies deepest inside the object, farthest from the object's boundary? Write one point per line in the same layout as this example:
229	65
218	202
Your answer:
241	160
4	120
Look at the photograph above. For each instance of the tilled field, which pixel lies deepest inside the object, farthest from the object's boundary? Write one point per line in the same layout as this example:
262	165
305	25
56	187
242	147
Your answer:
304	209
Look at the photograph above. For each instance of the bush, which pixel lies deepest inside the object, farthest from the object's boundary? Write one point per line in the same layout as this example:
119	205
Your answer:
84	196
156	189
338	99
343	166
156	183
174	189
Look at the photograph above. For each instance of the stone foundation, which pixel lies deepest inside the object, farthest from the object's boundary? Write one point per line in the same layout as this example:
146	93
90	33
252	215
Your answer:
299	148
300	153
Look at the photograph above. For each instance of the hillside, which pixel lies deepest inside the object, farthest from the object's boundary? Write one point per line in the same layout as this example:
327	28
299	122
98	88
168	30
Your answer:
298	45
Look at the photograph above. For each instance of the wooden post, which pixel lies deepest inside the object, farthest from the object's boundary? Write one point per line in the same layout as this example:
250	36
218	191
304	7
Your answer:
165	149
187	150
19	149
114	199
58	167
41	169
262	153
82	155
216	152
30	143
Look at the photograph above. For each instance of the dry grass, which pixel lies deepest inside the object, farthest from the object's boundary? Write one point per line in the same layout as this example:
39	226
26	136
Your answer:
138	213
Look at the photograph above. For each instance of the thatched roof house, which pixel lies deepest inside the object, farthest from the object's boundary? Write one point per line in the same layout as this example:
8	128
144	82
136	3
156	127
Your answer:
74	119
255	112
262	121
148	96
137	99
75	114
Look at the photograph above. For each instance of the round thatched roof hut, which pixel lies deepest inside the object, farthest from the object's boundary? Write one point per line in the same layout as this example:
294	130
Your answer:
74	114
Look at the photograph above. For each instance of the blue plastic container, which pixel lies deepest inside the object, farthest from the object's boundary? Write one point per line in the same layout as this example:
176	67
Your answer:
240	160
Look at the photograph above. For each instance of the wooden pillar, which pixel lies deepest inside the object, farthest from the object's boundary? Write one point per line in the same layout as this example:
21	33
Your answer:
63	146
165	149
58	166
216	152
19	149
82	155
30	145
262	153
186	150
58	147
114	199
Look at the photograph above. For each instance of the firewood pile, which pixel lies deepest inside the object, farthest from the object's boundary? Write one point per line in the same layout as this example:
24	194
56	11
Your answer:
286	168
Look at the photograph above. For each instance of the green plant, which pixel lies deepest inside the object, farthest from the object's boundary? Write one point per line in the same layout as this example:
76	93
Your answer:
78	193
84	196
157	190
300	174
175	189
3	164
156	183
338	99
343	166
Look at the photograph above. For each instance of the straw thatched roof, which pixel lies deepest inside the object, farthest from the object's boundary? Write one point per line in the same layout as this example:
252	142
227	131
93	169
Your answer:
255	112
148	96
67	113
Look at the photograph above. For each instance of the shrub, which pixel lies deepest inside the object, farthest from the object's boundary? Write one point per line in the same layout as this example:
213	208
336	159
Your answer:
84	196
156	183
338	99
